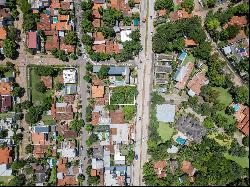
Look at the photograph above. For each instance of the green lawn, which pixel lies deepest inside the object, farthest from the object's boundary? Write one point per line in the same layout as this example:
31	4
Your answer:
5	179
224	96
165	131
221	139
189	58
8	74
6	115
37	97
242	161
48	120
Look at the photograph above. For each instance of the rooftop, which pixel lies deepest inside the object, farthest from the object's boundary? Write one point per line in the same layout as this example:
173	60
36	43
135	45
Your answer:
98	91
165	113
6	155
197	81
3	33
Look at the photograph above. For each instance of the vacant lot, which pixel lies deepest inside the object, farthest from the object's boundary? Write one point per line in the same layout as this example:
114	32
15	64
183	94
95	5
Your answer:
165	131
242	161
224	96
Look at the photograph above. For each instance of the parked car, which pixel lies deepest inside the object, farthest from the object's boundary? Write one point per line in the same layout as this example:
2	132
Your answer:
136	157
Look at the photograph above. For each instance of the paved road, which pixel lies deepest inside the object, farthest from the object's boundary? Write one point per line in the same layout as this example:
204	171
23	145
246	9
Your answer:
144	88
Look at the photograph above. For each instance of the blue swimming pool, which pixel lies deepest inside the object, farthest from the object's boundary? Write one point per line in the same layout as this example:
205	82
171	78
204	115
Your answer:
180	140
236	107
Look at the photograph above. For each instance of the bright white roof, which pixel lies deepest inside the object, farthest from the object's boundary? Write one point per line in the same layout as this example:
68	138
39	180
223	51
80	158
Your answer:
69	153
125	35
165	113
69	76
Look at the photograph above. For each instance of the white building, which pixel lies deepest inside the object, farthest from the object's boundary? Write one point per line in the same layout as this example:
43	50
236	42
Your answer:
121	135
5	170
125	35
69	76
118	157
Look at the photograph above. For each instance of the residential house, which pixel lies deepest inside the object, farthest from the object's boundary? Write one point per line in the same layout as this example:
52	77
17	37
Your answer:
64	131
61	111
37	5
6	155
3	33
165	113
5	88
5	17
182	75
70	89
191	127
68	149
239	37
189	43
242	117
160	168
2	2
125	35
40	142
7	124
195	84
119	159
5	103
69	99
121	5
117	176
117	117
188	169
69	76
98	91
97	164
40	173
162	68
240	21
5	170
179	14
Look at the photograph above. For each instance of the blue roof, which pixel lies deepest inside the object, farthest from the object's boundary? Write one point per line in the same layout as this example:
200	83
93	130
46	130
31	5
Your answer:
116	70
43	129
182	56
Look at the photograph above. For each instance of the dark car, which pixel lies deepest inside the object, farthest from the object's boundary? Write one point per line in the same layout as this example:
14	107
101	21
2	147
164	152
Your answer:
136	157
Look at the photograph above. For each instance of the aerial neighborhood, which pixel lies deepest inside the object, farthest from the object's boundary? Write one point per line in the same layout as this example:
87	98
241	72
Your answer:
124	92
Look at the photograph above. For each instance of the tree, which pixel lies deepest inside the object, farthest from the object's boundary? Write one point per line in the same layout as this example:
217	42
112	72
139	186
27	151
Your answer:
241	94
12	33
164	4
188	5
208	123
156	98
3	133
103	72
9	47
17	137
245	141
229	110
230	32
87	40
213	24
89	67
76	125
70	38
18	164
108	32
46	103
81	177
40	87
86	26
93	180
211	3
129	112
88	113
33	115
45	71
89	127
131	3
203	50
88	78
26	104
86	5
18	91
110	16
18	180
24	6
29	21
28	149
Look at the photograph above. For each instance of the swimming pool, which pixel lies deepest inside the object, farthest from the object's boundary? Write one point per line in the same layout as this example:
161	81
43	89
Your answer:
236	107
180	140
55	20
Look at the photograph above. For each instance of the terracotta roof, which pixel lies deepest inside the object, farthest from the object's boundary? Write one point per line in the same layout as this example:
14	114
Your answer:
179	14
120	5
67	48
117	117
40	150
97	91
55	4
97	82
44	24
96	23
61	26
47	80
3	33
162	12
98	36
197	81
61	166
137	1
181	85
6	155
63	17
112	47
69	98
240	36
52	44
121	180
65	5
38	139
237	20
96	14
100	101
32	40
160	164
95	118
190	42
96	6
69	134
5	88
242	116
100	48
67	181
187	168
93	172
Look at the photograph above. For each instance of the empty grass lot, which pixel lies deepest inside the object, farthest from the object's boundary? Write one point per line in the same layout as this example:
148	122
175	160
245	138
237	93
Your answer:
189	58
221	139
165	131
224	96
242	161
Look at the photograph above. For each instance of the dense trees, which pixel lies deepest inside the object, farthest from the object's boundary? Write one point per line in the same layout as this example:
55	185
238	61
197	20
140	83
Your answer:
103	72
33	115
164	4
9	47
40	87
87	40
129	112
123	95
203	50
108	32
188	5
110	16
240	94
76	125
70	38
86	5
230	32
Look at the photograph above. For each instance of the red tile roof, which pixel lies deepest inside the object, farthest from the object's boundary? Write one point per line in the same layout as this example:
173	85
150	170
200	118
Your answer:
117	117
160	164
120	5
187	168
95	118
100	48
44	24
190	43
67	48
61	26
179	14
96	14
197	81
39	151
52	44
181	85
69	98
98	36
162	12
242	117
65	5
6	155
3	33
237	20
93	172
32	40
5	88
96	23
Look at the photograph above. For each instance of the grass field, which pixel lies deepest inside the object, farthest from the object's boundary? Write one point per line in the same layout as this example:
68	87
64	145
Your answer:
165	131
8	74
37	97
6	115
224	96
5	179
48	120
242	161
224	140
231	120
189	58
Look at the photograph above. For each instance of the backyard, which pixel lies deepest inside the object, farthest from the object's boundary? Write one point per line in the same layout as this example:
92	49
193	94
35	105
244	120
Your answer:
189	58
221	139
122	95
224	96
165	131
242	161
